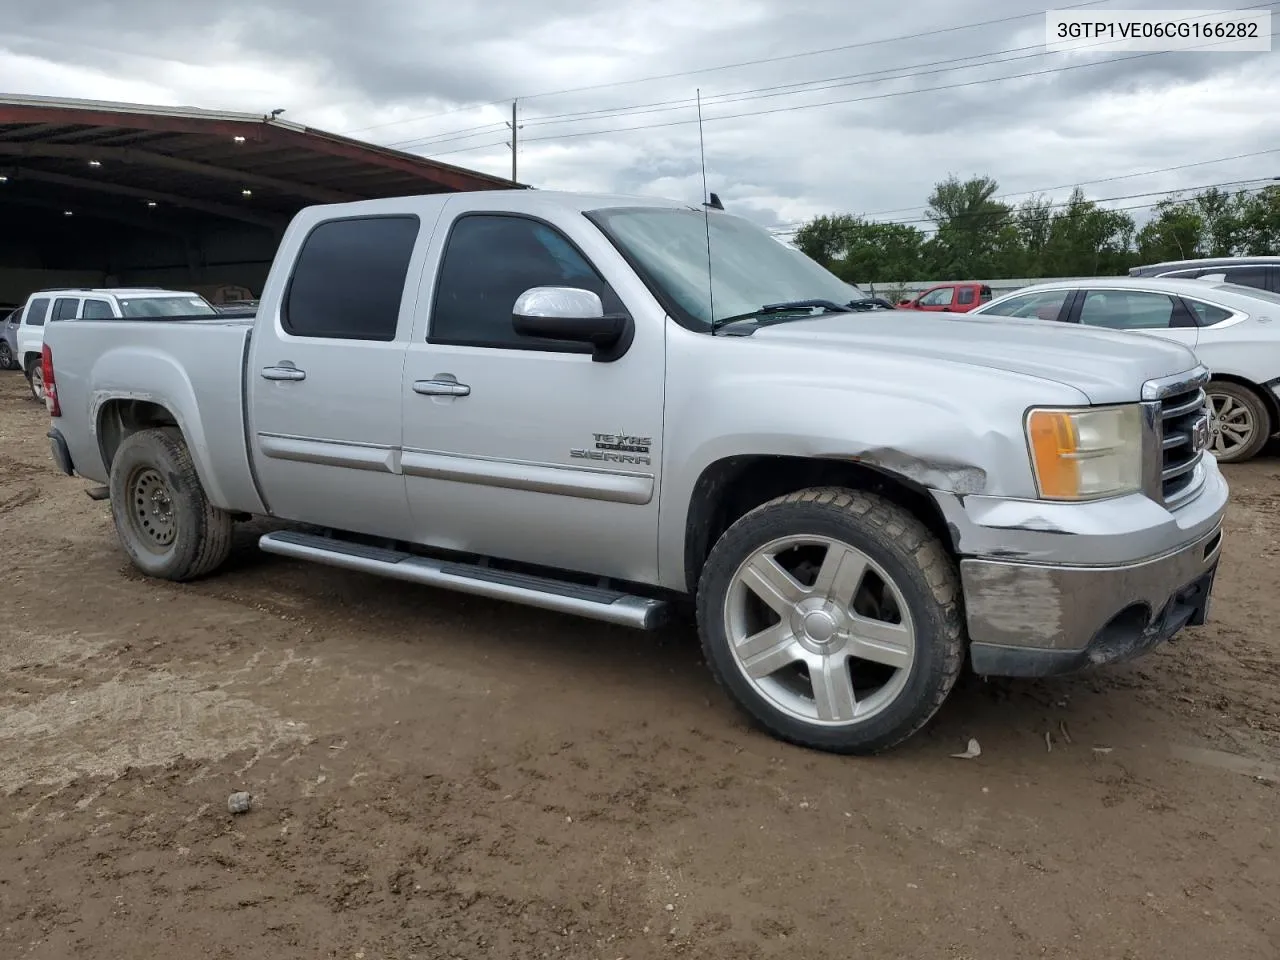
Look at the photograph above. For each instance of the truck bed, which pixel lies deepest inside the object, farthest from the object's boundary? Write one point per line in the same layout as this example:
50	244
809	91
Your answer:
193	367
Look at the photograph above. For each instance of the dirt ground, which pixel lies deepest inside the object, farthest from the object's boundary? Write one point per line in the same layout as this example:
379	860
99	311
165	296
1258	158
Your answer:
436	776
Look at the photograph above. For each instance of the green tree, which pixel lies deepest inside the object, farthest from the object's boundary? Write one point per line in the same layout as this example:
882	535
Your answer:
974	231
1174	233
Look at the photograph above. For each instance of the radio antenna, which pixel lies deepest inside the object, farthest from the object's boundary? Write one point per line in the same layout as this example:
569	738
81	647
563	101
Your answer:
706	215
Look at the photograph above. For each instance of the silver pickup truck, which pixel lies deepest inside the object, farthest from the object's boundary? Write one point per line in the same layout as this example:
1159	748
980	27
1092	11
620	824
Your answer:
541	398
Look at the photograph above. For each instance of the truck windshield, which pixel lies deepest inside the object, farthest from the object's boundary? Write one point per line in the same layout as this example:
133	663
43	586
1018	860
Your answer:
750	268
177	306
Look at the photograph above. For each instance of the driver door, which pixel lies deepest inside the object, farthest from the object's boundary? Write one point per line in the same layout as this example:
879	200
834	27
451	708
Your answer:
524	449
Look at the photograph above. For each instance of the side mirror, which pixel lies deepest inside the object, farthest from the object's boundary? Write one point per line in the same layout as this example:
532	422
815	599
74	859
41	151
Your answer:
904	303
573	315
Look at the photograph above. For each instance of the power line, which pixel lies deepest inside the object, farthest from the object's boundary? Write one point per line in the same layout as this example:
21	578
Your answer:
732	66
880	96
782	90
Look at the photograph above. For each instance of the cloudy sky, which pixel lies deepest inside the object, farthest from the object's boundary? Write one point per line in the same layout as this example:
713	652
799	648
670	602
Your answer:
606	91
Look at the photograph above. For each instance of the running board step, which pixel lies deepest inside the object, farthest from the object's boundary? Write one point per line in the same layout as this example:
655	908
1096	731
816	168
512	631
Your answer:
596	603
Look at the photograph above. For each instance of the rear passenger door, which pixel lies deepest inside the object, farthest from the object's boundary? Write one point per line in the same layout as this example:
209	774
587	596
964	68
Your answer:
324	373
1138	311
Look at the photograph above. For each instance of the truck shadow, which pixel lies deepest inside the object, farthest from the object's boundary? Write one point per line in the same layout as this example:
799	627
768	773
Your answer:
662	672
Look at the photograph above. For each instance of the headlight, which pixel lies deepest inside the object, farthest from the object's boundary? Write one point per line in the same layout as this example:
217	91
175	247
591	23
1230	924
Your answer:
1086	454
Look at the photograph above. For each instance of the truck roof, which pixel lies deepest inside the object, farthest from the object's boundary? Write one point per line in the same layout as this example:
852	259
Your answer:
134	292
515	200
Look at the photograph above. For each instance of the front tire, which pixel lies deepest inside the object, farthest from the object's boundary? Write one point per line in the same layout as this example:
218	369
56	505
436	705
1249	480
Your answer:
163	518
832	617
1239	422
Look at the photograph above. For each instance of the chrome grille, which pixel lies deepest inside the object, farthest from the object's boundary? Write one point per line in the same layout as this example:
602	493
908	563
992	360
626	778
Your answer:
1181	414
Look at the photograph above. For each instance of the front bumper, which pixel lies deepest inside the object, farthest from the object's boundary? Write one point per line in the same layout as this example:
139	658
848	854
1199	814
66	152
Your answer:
1054	588
1030	620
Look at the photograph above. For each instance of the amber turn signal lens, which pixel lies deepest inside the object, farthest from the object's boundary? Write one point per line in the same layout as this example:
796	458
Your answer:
1053	443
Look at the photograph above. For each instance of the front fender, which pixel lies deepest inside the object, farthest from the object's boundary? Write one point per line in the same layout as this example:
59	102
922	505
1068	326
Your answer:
963	440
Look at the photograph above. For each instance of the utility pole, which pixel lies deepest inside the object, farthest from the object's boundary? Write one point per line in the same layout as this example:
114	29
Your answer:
514	138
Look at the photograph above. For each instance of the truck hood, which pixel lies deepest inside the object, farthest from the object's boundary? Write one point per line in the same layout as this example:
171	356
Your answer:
1107	366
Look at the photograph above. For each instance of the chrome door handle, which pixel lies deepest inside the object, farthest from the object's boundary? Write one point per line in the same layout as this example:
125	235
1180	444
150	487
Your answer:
283	373
441	388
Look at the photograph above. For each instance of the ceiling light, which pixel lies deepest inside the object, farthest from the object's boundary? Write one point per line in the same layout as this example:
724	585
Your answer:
238	139
66	213
3	178
151	203
246	192
95	163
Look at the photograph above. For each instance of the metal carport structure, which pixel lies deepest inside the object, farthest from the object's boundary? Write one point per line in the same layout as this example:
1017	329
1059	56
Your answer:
104	194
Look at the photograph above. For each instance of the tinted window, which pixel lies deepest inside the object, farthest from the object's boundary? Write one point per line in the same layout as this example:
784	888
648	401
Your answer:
36	313
966	295
1127	310
1246	276
1185	274
1206	313
489	262
938	298
64	308
349	279
96	310
1045	305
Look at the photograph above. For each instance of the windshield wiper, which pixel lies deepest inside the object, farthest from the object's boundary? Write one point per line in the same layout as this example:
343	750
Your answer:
869	303
830	306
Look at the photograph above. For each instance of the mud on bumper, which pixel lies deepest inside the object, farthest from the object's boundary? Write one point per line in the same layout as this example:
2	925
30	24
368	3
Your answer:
1033	620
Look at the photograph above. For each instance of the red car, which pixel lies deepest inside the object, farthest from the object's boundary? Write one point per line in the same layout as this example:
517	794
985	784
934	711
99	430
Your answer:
949	297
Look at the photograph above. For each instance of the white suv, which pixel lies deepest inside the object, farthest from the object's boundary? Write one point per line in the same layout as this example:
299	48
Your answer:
116	303
1233	329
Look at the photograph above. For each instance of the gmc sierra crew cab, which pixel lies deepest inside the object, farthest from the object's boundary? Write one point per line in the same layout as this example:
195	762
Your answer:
619	408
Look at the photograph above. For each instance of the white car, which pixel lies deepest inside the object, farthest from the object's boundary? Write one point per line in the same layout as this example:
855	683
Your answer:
1234	331
116	303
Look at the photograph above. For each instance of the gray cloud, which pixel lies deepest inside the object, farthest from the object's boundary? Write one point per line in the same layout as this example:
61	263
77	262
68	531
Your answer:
382	68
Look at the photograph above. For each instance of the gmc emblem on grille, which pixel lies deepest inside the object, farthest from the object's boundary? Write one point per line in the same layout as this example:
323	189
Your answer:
1200	434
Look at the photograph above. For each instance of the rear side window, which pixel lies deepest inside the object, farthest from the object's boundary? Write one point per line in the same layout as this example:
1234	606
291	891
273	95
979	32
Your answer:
37	311
1206	314
349	279
96	310
64	308
1246	276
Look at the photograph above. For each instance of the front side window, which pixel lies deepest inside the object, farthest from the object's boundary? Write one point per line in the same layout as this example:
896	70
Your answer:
1127	310
37	311
749	268
941	297
490	260
349	279
1045	305
96	310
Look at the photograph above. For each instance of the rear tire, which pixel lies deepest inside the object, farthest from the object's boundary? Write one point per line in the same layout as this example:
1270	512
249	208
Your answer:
859	592
163	518
6	357
1239	422
35	379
